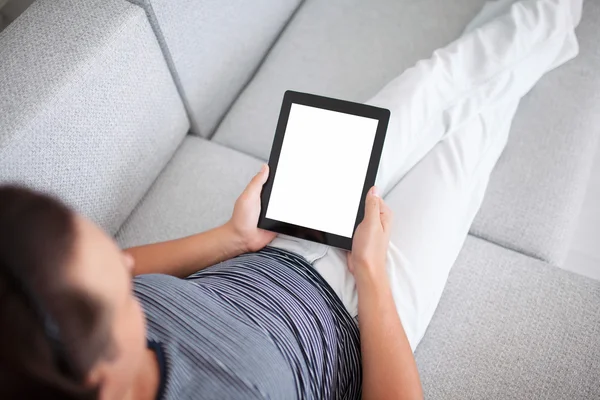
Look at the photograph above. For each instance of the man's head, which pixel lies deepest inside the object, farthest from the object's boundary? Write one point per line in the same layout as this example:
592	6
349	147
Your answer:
71	327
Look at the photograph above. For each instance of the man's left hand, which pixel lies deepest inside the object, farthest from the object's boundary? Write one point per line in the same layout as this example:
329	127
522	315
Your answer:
246	211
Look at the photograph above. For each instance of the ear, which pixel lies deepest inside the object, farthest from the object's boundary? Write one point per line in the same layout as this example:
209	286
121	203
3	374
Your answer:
98	377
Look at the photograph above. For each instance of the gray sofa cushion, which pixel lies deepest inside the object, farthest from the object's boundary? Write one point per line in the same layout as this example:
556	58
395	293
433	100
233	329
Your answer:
195	192
81	115
215	47
511	327
342	48
350	49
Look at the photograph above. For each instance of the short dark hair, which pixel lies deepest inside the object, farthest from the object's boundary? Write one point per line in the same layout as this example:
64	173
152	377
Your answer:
51	332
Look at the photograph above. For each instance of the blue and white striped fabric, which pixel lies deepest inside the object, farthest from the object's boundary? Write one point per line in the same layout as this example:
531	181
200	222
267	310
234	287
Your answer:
261	325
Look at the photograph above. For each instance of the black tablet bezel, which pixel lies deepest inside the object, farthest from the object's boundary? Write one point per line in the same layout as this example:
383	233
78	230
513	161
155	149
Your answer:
347	107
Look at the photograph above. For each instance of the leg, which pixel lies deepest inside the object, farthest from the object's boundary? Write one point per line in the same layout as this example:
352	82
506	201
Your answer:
501	60
436	201
475	85
434	207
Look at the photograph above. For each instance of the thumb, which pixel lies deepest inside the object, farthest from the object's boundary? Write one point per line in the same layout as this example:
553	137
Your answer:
372	205
259	179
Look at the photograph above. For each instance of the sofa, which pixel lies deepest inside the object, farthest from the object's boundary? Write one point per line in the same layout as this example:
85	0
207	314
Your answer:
150	116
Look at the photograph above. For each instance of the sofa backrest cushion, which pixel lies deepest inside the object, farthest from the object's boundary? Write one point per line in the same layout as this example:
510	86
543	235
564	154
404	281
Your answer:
214	47
88	108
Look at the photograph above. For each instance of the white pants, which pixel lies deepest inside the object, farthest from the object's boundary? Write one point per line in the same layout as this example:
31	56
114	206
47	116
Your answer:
451	115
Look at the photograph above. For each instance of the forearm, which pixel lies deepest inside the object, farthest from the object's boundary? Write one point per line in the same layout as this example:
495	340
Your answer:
183	257
389	368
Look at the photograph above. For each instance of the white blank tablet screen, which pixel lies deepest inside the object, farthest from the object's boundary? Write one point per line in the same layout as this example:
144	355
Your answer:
321	169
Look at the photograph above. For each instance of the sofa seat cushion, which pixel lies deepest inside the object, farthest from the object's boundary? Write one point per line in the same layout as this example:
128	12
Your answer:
511	327
351	49
195	192
88	109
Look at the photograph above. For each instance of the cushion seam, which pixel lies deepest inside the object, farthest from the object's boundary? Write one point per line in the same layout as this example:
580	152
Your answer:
162	43
254	73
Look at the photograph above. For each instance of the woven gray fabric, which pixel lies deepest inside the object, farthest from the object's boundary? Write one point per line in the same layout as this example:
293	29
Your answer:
536	191
350	49
88	109
511	327
195	192
215	47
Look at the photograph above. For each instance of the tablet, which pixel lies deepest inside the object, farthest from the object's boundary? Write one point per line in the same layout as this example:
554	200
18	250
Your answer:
323	161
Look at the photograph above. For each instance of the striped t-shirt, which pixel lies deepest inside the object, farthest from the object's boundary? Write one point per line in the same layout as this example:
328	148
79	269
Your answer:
260	326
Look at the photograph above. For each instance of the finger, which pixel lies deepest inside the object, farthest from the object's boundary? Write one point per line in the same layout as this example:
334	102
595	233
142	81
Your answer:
259	179
386	215
372	206
349	262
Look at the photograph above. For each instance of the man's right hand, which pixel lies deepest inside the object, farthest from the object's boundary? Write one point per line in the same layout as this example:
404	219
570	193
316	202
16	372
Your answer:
370	243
